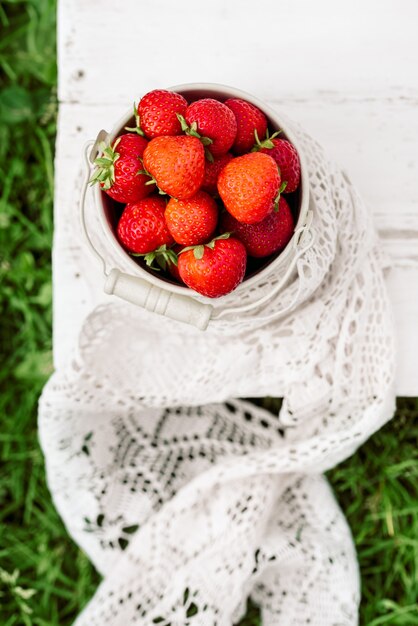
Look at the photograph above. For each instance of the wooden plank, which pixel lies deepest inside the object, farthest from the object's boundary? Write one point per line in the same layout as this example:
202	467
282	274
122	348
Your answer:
375	141
75	295
109	52
403	290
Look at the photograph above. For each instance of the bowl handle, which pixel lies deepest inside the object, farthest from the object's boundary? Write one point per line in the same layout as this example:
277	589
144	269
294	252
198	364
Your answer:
131	288
157	300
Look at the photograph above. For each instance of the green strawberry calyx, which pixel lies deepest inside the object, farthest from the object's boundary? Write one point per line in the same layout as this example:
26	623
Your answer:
137	128
151	180
279	193
161	255
191	130
266	143
199	250
105	165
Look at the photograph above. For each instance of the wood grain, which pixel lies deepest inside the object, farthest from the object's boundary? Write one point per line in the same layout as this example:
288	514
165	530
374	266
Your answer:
348	75
109	52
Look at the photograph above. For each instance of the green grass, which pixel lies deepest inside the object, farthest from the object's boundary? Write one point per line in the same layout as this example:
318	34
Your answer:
44	578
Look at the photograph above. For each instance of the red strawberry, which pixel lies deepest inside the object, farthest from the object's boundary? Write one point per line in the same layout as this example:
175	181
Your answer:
215	269
119	172
249	186
287	158
142	226
157	112
215	121
177	164
193	221
212	171
251	122
130	144
273	233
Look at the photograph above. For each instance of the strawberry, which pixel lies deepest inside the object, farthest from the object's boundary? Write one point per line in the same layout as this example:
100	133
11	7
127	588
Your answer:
287	159
131	144
214	269
193	221
273	233
157	113
142	228
212	171
214	121
177	164
250	122
249	186
120	172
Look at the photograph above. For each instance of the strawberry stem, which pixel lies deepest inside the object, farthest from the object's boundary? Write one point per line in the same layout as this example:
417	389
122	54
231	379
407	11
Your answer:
277	198
199	249
192	131
151	180
266	143
222	236
105	165
209	155
198	252
137	128
161	255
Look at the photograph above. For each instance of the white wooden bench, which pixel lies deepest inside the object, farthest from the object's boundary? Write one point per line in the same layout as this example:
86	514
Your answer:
347	73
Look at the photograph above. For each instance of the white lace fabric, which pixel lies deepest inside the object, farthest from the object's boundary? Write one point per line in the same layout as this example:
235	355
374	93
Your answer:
188	500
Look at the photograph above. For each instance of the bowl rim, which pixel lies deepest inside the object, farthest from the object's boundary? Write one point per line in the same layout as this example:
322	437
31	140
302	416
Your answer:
287	253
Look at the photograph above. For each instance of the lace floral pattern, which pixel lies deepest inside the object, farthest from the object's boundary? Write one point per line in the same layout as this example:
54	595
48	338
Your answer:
188	500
